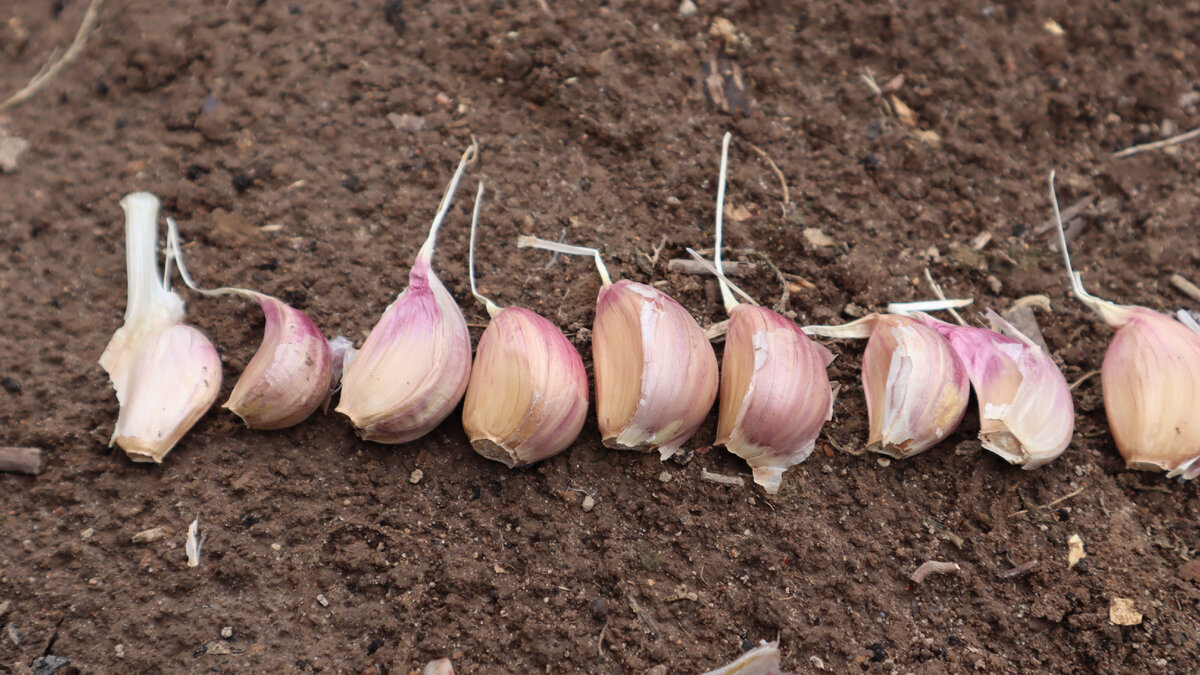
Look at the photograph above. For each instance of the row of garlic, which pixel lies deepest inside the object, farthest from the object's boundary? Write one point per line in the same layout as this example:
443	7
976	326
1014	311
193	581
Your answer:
656	373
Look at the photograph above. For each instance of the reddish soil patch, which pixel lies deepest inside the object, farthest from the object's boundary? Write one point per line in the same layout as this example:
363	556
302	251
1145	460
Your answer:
594	119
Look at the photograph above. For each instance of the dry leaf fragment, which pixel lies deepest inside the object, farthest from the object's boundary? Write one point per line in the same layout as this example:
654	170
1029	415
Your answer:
1075	550
1122	612
905	114
152	534
818	239
498	569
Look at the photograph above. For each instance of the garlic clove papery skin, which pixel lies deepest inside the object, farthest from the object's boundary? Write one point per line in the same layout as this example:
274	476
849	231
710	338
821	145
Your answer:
289	376
916	387
166	374
775	393
656	373
1151	383
1025	411
413	368
528	393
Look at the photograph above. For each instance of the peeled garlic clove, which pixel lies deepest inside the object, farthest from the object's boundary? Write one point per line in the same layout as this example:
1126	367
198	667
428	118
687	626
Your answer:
1025	410
527	397
916	387
656	373
1150	378
166	374
289	376
414	366
775	393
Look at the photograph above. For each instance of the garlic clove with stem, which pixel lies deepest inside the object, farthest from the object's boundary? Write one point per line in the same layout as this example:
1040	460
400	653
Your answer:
1025	411
528	394
916	386
1150	379
166	374
656	373
414	366
774	395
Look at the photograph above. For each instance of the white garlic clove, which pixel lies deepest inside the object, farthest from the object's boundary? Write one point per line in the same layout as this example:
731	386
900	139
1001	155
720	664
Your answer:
289	376
1025	410
1151	378
762	660
656	373
775	393
413	368
528	393
166	374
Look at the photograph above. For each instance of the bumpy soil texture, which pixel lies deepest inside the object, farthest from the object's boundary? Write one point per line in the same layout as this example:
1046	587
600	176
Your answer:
337	123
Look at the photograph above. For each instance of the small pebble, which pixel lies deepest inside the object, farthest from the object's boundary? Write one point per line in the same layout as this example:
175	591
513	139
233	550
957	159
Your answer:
87	534
687	8
277	547
227	632
588	503
345	502
94	582
323	600
884	462
119	650
665	477
416	476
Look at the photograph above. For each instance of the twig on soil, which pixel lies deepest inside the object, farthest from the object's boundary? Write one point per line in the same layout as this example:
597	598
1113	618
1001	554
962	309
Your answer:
932	567
839	448
782	181
722	479
53	67
1055	502
641	614
600	640
21	460
1070	213
937	290
732	268
1186	287
1084	378
1174	140
1019	570
717	330
657	252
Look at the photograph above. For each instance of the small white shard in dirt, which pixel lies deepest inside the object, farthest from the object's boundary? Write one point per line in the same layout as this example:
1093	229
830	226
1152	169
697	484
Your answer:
932	567
929	137
1122	612
195	541
818	239
687	8
589	503
1075	550
762	660
147	536
11	149
322	600
439	667
498	569
1053	28
416	476
906	115
404	122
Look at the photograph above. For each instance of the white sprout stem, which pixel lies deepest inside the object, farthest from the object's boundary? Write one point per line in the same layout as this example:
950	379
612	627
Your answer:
146	288
927	305
490	306
1101	307
174	254
526	241
726	296
855	330
721	278
448	198
1188	320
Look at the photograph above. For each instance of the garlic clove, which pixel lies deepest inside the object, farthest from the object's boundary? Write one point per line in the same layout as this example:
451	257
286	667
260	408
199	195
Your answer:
656	373
289	376
916	387
166	374
1151	379
414	366
762	660
775	393
528	394
1025	409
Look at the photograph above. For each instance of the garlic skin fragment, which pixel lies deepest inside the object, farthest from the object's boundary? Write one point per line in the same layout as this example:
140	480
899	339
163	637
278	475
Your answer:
656	373
1150	378
1025	411
916	387
289	376
775	393
413	368
762	660
166	374
528	393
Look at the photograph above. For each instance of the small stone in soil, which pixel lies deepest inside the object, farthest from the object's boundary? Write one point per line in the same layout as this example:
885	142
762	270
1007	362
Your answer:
588	503
11	385
416	476
119	650
600	608
49	664
324	602
227	632
664	477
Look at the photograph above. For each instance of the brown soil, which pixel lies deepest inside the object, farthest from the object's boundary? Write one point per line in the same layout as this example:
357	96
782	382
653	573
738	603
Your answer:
594	120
